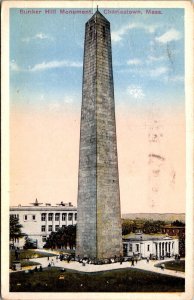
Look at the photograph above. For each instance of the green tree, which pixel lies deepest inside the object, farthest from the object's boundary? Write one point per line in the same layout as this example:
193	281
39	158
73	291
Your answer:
153	226
127	226
178	223
15	231
63	237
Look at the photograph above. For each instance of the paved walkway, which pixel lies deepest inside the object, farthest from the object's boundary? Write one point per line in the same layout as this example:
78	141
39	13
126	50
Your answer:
73	265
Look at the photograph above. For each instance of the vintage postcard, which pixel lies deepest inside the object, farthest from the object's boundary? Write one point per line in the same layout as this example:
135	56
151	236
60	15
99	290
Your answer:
97	152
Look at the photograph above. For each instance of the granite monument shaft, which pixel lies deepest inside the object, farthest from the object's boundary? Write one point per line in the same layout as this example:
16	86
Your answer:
99	220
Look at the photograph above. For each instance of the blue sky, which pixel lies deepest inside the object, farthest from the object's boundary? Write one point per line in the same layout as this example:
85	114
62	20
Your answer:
46	60
46	55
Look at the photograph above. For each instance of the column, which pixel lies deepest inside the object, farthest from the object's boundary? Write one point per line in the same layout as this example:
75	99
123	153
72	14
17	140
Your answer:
156	248
72	217
169	249
53	221
46	224
172	248
60	216
164	248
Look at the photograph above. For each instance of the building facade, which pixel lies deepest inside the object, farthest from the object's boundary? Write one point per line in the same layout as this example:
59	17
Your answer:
174	230
146	245
99	232
39	220
178	231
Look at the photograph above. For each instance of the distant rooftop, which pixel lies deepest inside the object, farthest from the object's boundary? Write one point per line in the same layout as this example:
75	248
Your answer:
173	226
145	237
41	205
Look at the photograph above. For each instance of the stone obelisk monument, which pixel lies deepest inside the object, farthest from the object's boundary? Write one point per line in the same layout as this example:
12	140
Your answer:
99	220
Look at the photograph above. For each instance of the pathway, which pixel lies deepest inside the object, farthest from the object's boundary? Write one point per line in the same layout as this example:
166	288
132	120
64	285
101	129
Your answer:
73	265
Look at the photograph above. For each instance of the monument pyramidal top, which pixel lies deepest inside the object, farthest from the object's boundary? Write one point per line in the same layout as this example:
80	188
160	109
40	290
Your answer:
97	15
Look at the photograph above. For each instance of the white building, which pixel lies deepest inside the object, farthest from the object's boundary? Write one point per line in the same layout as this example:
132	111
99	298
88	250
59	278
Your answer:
146	245
39	220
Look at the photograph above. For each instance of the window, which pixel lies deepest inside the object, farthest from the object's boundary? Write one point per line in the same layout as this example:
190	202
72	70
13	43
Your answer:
15	216
33	217
70	216
25	217
43	217
137	247
75	217
44	239
148	247
50	228
50	217
130	247
63	226
43	228
57	217
56	227
63	217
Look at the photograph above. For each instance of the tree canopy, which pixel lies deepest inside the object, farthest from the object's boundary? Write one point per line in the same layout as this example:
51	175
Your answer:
178	223
15	231
63	237
146	226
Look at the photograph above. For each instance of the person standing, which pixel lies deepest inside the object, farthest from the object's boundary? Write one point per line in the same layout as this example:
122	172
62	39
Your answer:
132	262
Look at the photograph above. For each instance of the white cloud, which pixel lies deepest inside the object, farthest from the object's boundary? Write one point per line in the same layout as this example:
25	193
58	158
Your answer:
155	58
158	71
55	64
42	36
134	61
136	92
14	66
117	35
42	97
45	66
177	78
151	28
68	99
38	36
170	35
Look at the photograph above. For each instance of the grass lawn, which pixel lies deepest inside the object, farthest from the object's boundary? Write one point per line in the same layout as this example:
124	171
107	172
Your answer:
24	254
177	265
123	280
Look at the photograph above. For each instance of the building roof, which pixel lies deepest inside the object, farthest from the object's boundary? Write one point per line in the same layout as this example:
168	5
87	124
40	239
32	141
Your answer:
36	206
146	237
173	227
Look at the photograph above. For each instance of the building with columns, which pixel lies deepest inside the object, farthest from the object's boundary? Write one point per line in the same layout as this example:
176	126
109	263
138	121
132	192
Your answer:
40	220
146	245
